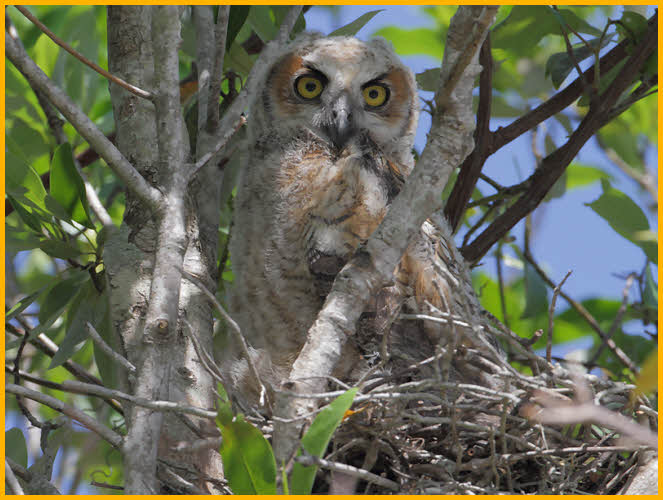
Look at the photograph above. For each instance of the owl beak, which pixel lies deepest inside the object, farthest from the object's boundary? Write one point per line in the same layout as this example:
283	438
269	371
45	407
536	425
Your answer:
341	126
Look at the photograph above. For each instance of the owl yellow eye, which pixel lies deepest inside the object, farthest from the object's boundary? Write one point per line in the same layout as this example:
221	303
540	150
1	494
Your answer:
309	87
376	95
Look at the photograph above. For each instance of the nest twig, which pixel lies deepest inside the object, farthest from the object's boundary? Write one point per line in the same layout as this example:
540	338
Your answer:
469	435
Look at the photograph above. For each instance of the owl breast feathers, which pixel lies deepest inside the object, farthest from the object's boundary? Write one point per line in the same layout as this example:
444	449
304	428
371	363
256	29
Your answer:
331	137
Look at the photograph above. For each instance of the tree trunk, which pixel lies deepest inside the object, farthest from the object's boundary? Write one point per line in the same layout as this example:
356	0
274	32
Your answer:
131	259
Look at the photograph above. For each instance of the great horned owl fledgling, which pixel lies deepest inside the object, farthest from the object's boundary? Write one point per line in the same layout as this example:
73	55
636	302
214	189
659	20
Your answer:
331	136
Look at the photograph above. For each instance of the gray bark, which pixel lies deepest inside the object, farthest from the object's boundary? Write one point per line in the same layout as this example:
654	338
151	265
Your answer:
145	257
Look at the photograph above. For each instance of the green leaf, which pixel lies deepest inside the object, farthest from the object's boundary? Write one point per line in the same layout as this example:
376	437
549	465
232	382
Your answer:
17	240
224	414
625	217
29	141
567	18
632	25
580	175
248	459
238	60
417	41
280	11
260	20
57	299
300	25
30	220
88	306
107	366
603	310
428	79
626	134
605	81
15	446
564	331
21	178
636	347
650	293
351	29
67	186
56	209
59	249
558	189
536	294
317	438
236	19
22	304
528	24
559	65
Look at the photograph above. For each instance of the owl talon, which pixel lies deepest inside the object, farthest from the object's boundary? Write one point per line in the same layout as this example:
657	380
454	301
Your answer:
324	268
324	264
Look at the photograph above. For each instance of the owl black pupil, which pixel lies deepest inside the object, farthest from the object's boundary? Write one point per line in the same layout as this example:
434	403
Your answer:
311	86
373	94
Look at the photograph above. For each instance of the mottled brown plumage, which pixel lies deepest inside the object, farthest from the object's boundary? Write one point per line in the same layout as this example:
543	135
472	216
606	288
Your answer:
331	139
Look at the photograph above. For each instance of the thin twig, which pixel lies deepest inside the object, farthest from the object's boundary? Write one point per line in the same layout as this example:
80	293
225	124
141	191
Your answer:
555	164
551	313
591	89
131	88
515	457
500	284
95	390
257	73
288	24
221	144
44	344
198	445
617	321
34	421
19	470
309	460
55	123
106	485
554	413
115	356
12	482
234	327
585	314
220	35
560	101
482	219
118	163
98	208
83	418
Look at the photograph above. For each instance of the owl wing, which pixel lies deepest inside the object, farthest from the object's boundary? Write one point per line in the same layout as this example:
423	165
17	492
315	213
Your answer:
433	280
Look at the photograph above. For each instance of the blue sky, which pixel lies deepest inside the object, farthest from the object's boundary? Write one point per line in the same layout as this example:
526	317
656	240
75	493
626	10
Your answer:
570	236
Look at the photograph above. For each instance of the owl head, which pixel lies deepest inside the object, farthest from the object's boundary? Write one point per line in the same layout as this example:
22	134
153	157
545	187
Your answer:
338	88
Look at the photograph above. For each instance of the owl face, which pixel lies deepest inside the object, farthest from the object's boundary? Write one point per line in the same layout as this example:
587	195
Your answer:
339	88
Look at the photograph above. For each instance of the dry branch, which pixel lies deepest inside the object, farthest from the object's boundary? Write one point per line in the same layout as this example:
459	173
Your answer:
74	413
553	166
131	88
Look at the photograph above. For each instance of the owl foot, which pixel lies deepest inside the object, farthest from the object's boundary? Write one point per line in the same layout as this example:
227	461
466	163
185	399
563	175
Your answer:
324	268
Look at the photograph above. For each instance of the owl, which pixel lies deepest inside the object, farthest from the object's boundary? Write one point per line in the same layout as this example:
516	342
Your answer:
331	134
